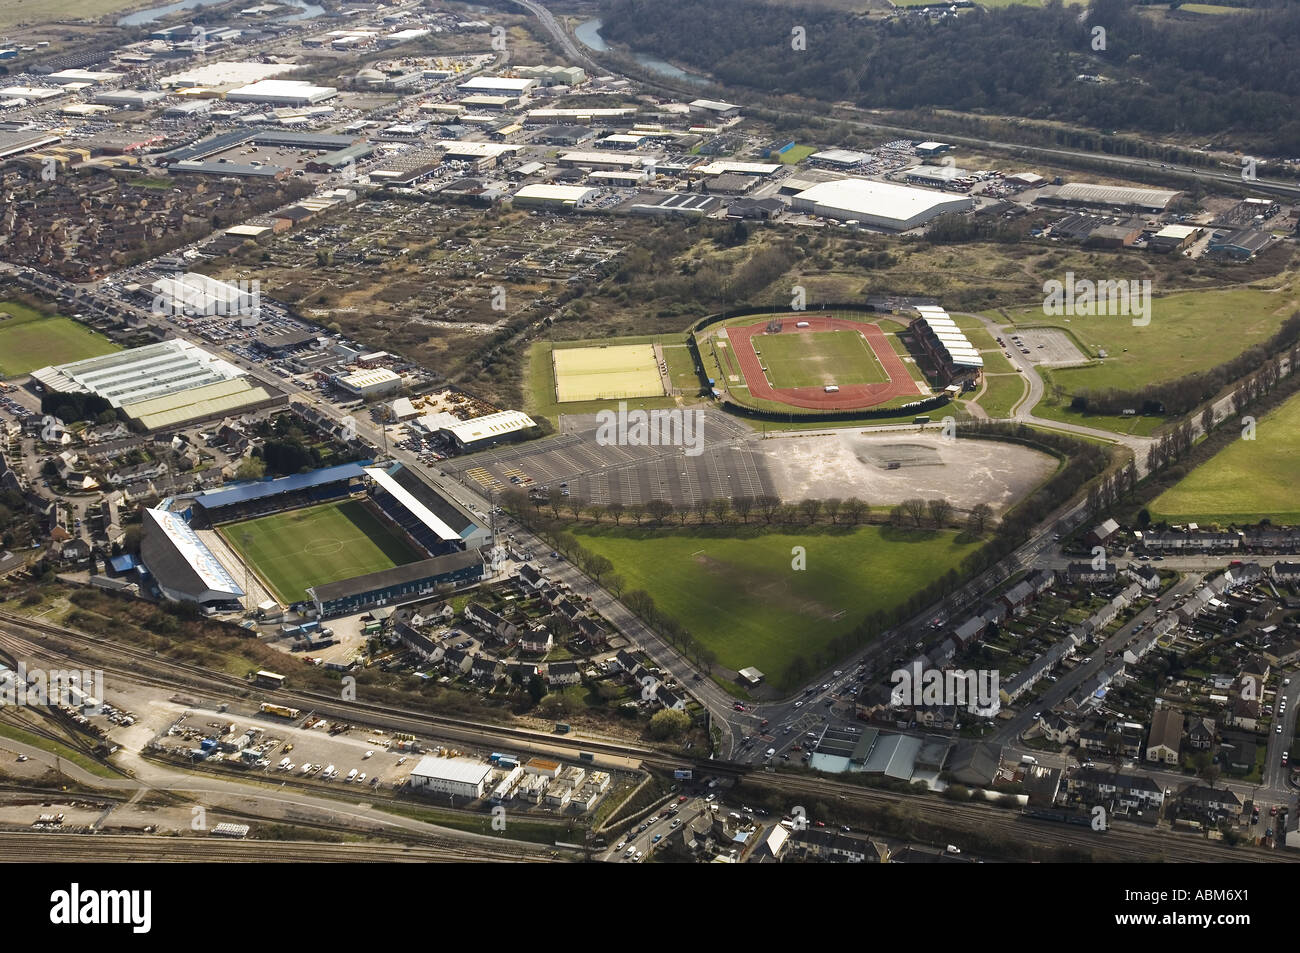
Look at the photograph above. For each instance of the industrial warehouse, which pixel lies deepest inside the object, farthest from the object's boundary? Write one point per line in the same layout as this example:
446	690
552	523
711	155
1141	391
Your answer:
877	204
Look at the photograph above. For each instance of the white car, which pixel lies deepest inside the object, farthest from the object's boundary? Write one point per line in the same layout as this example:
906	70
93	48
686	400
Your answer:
368	754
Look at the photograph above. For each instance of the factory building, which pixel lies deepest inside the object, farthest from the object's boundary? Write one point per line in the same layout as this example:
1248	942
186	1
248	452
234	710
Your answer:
877	204
282	92
497	86
540	195
458	777
378	382
1109	196
487	431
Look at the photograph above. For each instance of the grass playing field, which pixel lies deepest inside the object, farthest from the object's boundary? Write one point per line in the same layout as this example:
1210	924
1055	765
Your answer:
1248	480
606	372
1188	332
319	544
813	360
30	339
739	595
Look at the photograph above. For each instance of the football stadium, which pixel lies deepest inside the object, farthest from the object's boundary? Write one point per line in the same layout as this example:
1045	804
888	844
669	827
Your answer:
341	540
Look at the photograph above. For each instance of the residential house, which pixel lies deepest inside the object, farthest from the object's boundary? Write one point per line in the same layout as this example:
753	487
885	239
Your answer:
536	639
969	631
457	661
1209	803
591	630
484	669
1058	728
1200	734
1018	597
563	673
1120	789
150	470
1166	736
1285	573
1090	574
1102	533
1144	576
531	576
1238	750
418	642
1191	541
492	623
669	700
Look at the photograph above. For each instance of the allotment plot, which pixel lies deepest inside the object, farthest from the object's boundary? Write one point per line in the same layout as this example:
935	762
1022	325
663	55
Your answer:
606	373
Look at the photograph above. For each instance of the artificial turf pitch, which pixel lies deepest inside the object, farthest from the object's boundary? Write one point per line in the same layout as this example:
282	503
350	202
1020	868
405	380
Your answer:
315	545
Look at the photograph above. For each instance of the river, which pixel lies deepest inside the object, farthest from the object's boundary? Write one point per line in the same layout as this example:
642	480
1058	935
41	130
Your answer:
588	35
141	17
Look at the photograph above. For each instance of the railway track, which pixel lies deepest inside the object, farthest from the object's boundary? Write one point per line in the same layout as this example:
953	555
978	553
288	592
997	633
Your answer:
46	847
1124	841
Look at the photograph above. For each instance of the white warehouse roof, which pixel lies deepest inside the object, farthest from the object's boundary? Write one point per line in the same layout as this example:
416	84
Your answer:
280	91
491	425
459	770
483	84
877	203
561	194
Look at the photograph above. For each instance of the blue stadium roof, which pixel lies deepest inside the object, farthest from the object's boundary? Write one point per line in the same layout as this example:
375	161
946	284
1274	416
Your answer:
289	484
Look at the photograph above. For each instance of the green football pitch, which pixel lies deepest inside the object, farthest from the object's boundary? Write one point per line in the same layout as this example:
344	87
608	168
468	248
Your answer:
815	360
1248	480
320	544
30	339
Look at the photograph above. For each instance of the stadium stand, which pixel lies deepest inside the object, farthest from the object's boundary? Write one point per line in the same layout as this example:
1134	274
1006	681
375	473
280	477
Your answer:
273	496
436	523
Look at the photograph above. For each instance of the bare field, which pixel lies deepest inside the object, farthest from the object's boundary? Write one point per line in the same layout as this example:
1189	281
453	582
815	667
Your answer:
851	463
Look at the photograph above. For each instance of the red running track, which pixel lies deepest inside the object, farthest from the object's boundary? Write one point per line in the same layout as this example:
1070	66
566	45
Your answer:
850	397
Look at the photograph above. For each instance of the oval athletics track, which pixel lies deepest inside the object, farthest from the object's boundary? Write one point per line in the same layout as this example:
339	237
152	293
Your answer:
850	397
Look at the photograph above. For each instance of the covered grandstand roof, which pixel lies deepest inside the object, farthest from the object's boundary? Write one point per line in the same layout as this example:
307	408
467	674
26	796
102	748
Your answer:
179	561
415	506
397	576
216	499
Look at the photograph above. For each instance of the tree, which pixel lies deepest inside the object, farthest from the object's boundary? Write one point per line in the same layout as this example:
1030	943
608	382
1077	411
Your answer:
598	565
701	508
720	506
855	509
637	512
832	506
614	583
615	511
978	519
554	498
536	689
810	508
743	505
575	506
915	509
659	510
768	507
940	512
669	723
252	468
